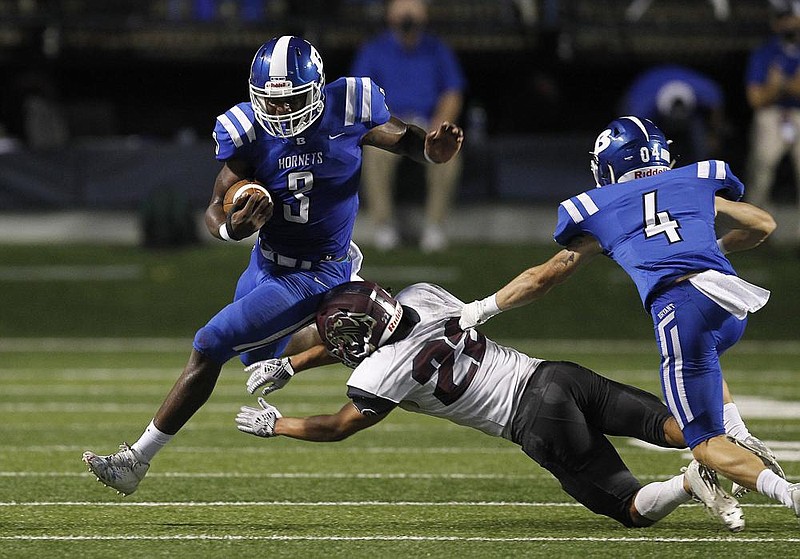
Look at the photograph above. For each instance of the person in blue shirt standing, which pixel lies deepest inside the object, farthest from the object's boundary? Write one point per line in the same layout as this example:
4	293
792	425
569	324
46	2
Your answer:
301	139
773	93
687	105
424	85
659	225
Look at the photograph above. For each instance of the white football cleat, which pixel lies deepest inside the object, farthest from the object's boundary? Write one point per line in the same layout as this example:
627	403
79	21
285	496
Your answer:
122	470
794	491
757	447
706	489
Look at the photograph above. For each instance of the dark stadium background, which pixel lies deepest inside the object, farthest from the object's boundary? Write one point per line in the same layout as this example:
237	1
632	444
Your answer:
151	71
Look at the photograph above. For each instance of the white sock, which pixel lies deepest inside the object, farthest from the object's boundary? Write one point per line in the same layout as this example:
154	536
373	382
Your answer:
734	424
774	486
151	442
656	500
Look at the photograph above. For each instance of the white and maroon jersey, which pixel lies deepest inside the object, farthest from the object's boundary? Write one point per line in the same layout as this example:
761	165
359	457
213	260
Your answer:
441	370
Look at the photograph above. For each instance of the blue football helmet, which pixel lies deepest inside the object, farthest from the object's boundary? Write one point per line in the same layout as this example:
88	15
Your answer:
287	67
629	148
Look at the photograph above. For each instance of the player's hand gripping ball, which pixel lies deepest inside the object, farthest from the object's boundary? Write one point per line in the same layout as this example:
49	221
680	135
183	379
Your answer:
243	188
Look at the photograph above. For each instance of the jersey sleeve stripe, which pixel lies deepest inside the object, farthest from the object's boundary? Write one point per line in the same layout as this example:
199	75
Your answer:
703	169
350	102
720	169
247	125
366	100
226	123
572	210
588	203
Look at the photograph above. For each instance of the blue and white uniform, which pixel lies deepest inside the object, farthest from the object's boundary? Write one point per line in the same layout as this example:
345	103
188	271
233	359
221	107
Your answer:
660	230
303	249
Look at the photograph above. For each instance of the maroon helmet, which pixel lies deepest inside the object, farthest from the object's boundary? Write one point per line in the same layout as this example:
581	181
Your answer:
356	318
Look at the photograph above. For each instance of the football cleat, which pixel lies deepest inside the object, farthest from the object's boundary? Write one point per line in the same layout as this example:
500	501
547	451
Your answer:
122	470
794	492
706	489
757	447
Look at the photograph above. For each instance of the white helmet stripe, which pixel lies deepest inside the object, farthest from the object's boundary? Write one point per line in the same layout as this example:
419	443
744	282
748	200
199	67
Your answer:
640	124
277	64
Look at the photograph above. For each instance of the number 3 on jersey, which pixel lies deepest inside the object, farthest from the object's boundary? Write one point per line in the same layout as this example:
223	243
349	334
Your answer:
299	182
656	223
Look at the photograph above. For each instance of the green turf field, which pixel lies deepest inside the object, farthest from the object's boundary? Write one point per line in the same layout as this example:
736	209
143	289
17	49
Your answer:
93	337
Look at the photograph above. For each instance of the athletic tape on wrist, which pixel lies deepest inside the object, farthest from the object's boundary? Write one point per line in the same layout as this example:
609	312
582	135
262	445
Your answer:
224	234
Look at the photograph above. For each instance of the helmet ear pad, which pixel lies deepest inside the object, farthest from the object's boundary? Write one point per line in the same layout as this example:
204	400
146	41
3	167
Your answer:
603	174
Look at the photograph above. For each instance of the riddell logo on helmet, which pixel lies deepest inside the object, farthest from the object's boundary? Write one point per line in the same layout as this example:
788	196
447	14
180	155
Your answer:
393	324
649	172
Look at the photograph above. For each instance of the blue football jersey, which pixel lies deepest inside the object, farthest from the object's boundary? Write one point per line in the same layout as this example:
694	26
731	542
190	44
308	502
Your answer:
657	228
313	177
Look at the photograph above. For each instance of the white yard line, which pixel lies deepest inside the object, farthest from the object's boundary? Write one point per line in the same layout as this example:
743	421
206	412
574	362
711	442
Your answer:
304	504
401	538
169	345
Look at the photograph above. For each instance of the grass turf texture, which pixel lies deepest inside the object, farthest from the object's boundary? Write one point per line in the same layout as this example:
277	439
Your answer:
172	293
411	486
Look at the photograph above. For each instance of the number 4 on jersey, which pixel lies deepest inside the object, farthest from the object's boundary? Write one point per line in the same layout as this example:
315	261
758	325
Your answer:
656	223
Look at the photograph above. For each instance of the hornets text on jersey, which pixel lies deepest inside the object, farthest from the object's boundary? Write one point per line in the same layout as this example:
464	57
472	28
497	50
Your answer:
313	177
656	228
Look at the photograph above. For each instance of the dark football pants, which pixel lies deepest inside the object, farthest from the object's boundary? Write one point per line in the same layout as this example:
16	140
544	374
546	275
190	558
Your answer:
563	416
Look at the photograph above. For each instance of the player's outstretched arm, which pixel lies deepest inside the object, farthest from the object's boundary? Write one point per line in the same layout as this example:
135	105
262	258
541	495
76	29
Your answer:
533	283
268	422
746	225
436	146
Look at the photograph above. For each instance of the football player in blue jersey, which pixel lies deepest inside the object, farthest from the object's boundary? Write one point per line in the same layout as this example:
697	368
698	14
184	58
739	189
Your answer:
658	224
301	139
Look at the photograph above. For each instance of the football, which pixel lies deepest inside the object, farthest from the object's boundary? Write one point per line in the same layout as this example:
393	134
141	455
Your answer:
241	188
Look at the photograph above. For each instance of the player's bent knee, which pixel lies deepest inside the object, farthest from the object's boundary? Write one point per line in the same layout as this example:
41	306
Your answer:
209	342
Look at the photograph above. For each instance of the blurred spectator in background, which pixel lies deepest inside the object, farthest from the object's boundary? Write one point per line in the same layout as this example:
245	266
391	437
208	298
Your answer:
637	8
212	10
773	92
35	112
687	105
424	84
